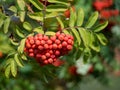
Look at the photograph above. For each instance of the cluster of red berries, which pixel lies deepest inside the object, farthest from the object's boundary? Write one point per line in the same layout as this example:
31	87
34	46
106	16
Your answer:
46	50
104	7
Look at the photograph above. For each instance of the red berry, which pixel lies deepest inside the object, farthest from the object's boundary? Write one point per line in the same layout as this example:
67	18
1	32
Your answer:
31	54
54	46
57	53
49	42
69	41
64	43
66	38
31	50
59	46
31	41
51	52
46	62
45	37
50	46
33	46
57	41
63	34
61	37
46	46
50	60
40	47
40	37
43	57
52	56
42	42
53	38
47	54
57	34
37	42
38	55
28	45
69	47
30	38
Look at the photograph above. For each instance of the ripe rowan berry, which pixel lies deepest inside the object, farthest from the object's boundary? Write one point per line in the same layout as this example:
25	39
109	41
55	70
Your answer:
64	43
31	54
54	46
43	57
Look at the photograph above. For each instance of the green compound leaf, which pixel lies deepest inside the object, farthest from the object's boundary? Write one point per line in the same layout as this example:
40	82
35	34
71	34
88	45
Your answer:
76	34
27	26
73	16
21	46
18	60
80	17
102	39
100	27
37	4
92	20
13	68
38	30
65	2
7	71
49	33
6	24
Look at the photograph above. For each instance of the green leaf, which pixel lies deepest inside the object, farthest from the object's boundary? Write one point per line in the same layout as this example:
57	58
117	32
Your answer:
37	4
2	18
92	20
65	31
6	24
21	46
27	26
13	9
21	5
100	27
65	2
74	31
14	43
38	30
80	17
1	22
103	40
36	16
13	68
7	71
60	22
73	16
22	16
83	34
23	56
49	33
18	61
56	8
94	43
20	34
